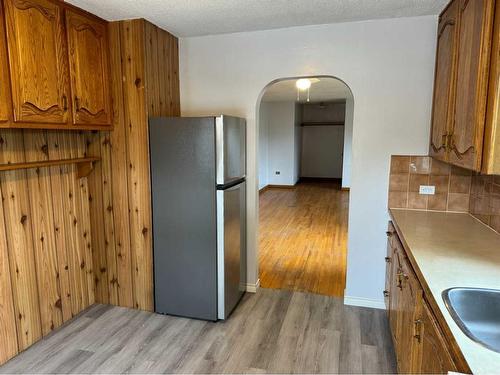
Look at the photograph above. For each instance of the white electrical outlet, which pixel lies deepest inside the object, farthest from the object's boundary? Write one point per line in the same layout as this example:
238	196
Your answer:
427	190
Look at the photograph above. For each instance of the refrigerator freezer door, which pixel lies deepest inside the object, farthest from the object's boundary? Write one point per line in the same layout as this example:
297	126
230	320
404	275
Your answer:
230	135
184	216
231	247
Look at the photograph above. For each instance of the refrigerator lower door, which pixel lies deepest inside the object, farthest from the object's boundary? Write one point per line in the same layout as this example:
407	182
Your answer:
231	248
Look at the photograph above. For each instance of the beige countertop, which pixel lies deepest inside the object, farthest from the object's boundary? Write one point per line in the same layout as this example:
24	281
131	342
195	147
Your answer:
454	250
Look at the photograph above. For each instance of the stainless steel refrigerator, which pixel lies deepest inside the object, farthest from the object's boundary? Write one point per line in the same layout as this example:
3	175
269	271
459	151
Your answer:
199	211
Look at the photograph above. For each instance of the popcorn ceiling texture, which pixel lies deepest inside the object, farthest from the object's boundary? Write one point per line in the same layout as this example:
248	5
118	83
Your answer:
195	18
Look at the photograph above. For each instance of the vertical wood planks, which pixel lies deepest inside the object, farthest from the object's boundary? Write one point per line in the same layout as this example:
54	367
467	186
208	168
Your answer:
163	75
16	210
152	71
174	88
62	243
119	167
109	225
79	150
97	223
8	331
138	160
42	225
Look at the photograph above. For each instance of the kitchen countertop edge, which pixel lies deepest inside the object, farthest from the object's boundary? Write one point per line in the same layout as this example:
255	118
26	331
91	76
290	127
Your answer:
455	337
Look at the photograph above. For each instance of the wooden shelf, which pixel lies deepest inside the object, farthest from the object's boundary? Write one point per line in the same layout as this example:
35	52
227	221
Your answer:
334	123
84	165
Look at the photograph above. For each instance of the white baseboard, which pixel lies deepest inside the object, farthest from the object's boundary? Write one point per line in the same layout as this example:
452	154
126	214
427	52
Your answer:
252	288
364	302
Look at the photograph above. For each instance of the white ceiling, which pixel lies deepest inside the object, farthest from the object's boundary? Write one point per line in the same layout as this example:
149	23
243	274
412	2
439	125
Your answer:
327	89
204	17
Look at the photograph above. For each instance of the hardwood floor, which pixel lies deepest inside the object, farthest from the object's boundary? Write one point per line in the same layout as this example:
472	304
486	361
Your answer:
269	332
303	238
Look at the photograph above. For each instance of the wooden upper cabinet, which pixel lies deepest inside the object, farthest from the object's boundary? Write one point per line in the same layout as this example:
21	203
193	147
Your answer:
473	60
5	103
431	355
444	85
491	146
89	68
38	64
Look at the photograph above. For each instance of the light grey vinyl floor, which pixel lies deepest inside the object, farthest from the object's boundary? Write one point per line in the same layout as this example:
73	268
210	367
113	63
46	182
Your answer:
273	331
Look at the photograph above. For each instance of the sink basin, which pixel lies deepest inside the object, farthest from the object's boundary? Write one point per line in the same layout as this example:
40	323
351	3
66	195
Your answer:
477	313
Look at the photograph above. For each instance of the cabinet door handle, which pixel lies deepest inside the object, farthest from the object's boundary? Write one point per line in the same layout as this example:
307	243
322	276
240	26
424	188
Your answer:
77	103
400	279
65	103
389	233
387	259
386	293
417	329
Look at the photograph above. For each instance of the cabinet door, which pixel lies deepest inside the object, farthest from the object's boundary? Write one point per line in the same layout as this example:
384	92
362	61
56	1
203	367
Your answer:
37	56
394	291
475	28
410	292
89	69
5	103
389	260
431	351
444	81
388	278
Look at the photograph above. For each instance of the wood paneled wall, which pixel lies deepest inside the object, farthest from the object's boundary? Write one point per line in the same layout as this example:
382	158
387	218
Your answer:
46	268
65	242
144	64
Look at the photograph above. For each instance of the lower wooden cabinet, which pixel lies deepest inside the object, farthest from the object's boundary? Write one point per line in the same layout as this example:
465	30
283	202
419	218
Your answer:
430	351
419	342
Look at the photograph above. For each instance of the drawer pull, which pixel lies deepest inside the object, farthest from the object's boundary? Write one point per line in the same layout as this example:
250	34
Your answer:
386	293
417	327
389	233
387	259
400	279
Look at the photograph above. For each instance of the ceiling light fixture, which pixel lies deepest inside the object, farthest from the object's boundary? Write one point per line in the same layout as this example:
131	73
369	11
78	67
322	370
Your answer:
303	84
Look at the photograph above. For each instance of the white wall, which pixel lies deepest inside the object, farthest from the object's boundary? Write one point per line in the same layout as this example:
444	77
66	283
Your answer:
297	151
263	153
389	66
322	148
281	143
348	129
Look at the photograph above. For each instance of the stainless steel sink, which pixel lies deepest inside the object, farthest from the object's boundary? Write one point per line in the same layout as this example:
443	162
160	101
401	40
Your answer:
477	313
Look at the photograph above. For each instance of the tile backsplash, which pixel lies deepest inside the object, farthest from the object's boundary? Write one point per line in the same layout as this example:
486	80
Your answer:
457	189
485	200
408	173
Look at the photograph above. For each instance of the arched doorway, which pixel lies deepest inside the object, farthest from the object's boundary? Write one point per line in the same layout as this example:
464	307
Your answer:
304	162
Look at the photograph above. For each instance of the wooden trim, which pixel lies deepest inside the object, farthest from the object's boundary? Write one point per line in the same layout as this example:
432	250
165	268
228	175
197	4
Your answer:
458	357
445	8
46	126
491	145
345	189
84	165
268	187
